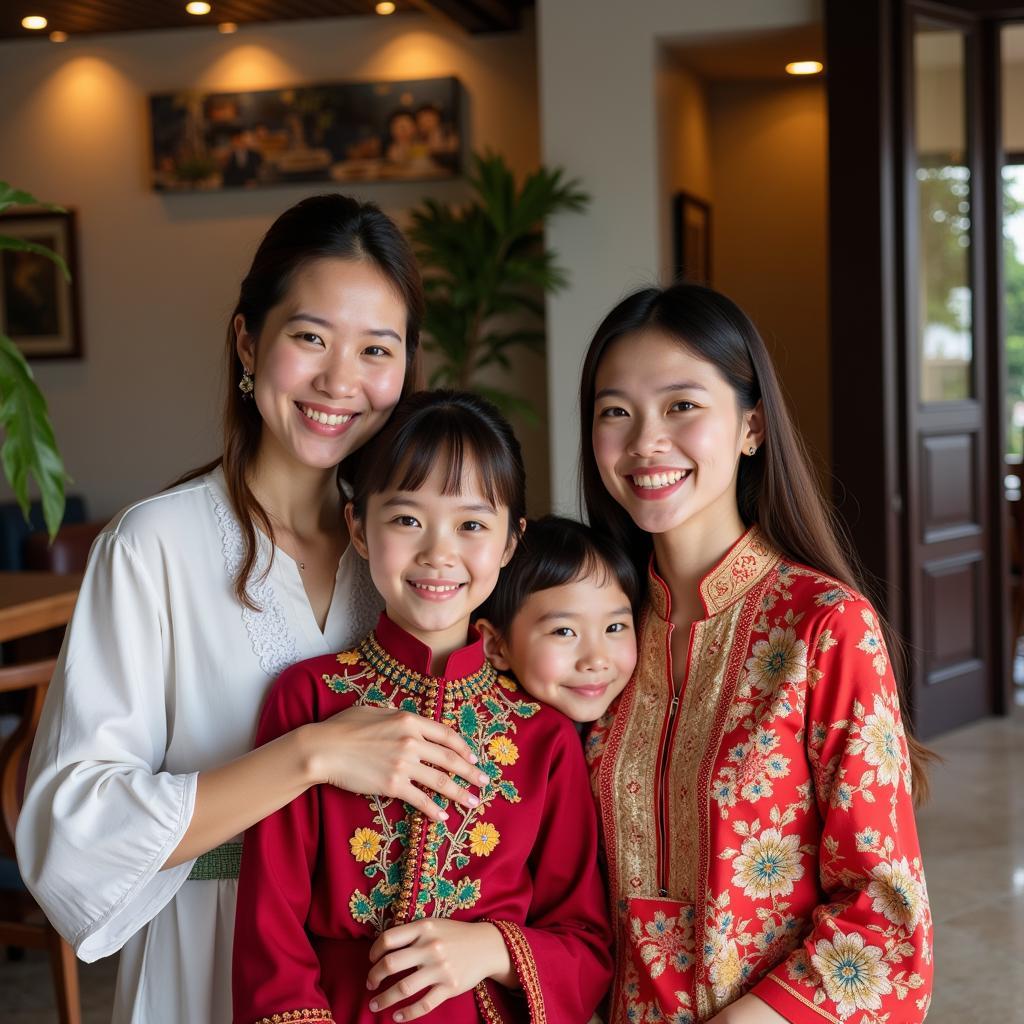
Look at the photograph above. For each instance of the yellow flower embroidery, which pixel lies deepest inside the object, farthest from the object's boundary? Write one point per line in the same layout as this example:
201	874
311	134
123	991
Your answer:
348	658
365	845
506	683
483	838
503	750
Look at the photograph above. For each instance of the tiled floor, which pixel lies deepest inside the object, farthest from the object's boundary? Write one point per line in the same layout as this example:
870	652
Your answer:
972	833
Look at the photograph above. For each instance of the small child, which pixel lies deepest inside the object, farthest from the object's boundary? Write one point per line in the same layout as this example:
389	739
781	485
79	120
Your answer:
561	618
360	909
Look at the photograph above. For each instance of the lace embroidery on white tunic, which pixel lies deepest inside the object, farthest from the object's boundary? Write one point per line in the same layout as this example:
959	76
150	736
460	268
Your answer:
272	641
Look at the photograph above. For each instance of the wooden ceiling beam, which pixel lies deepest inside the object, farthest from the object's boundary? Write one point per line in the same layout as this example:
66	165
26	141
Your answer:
475	16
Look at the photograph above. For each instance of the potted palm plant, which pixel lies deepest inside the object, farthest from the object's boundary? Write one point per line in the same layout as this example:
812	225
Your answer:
486	271
29	449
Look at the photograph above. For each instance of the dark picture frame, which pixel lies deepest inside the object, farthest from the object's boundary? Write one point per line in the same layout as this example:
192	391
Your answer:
336	133
39	307
691	222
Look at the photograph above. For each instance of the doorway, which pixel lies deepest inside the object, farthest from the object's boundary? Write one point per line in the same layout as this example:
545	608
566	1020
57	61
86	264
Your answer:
919	318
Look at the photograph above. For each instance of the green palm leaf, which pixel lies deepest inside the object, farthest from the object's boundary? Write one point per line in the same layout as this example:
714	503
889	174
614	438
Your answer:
29	450
487	260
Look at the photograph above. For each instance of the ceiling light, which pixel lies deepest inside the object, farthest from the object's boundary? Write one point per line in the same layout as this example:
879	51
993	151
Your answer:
58	37
198	7
34	22
225	28
385	7
804	67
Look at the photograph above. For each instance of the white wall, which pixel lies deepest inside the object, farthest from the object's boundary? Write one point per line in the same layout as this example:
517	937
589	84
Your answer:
598	66
160	273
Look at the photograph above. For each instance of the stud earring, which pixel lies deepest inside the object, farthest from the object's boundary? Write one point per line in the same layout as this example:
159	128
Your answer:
245	385
750	450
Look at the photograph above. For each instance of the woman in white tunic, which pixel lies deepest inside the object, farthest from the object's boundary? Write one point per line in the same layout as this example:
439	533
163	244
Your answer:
140	783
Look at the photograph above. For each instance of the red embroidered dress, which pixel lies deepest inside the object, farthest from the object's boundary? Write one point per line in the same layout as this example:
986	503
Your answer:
323	876
758	822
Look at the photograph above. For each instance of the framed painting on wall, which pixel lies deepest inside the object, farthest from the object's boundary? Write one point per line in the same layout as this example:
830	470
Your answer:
691	219
337	132
38	305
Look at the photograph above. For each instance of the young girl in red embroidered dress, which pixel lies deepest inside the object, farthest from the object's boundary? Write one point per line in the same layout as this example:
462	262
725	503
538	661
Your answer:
361	909
754	779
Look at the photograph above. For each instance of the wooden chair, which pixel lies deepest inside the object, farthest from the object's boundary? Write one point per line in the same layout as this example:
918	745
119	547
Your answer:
17	927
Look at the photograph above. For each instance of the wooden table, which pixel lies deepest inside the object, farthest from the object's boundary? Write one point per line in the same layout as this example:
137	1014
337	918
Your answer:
33	601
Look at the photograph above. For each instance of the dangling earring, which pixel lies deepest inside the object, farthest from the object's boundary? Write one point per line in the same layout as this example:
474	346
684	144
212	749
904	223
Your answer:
245	385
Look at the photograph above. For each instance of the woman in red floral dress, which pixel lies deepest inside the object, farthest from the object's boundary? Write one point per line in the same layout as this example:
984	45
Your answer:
755	783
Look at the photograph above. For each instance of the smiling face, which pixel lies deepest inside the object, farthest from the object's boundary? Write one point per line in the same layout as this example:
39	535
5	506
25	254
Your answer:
572	646
668	435
434	557
329	363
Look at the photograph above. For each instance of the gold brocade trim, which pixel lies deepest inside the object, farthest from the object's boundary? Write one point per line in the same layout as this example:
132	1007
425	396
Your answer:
488	1010
803	999
629	783
391	669
736	641
746	564
297	1015
526	968
714	640
410	869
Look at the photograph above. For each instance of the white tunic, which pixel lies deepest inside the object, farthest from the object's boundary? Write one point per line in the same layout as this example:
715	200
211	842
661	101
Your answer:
161	676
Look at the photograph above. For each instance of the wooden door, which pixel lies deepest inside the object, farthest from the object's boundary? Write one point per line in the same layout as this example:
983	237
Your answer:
912	333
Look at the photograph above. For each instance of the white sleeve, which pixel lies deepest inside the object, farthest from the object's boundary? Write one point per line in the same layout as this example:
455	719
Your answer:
100	816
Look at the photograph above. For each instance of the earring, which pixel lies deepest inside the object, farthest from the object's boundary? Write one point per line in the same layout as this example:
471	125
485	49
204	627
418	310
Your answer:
750	450
245	385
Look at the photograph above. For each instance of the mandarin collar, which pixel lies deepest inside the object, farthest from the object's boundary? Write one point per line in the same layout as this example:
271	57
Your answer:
415	654
742	567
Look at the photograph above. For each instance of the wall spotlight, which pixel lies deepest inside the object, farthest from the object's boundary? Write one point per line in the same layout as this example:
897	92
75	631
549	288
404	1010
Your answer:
198	7
385	7
34	22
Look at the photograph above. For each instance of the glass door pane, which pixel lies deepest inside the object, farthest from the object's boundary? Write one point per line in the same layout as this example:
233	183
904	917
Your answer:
943	195
1013	239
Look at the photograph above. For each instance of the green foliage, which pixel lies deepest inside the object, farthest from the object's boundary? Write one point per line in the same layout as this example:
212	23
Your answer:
487	270
1013	312
29	449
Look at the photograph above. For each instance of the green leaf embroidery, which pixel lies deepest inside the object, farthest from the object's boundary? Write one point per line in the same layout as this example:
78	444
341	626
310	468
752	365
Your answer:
469	721
508	791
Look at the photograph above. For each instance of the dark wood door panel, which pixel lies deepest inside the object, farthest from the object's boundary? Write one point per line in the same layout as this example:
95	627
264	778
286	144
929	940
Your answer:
950	467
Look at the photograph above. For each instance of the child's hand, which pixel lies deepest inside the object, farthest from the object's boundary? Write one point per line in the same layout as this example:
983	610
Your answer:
445	958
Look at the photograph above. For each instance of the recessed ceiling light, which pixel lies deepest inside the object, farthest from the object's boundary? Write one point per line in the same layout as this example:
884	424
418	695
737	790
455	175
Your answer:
804	67
33	22
198	7
58	37
385	7
225	28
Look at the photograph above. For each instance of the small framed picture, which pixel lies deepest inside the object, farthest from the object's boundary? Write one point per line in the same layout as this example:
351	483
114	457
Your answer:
38	305
692	237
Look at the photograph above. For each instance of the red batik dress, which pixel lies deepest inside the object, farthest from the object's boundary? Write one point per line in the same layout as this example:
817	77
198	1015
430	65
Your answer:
757	821
322	877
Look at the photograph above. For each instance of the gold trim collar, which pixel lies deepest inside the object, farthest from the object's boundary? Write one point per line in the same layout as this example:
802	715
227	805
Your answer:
745	564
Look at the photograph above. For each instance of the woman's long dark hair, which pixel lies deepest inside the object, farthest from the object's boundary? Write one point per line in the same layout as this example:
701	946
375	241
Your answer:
325	226
776	488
